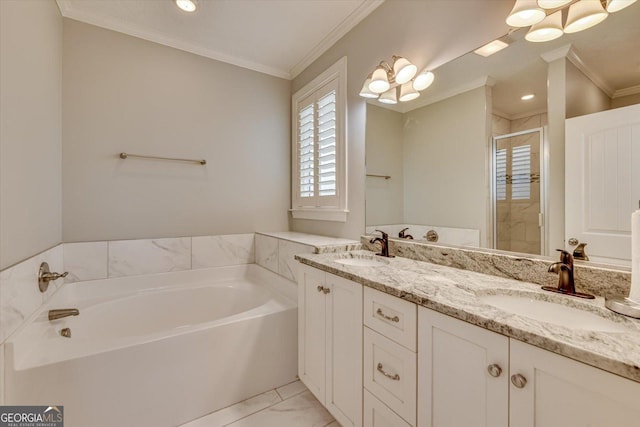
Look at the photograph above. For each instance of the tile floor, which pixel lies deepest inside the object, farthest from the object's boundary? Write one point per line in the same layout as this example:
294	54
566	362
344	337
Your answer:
291	405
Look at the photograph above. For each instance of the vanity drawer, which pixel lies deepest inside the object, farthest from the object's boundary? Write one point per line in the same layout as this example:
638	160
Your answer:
390	374
377	414
391	316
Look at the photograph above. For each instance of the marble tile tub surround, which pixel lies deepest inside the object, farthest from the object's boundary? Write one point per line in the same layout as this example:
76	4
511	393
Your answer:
19	293
448	235
102	260
592	279
275	251
455	292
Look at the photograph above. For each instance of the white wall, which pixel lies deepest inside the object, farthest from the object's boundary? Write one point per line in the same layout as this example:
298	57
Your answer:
424	32
30	128
583	96
445	163
385	197
123	94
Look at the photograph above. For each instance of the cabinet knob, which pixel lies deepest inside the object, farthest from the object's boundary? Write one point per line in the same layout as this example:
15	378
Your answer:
320	288
326	290
494	370
518	380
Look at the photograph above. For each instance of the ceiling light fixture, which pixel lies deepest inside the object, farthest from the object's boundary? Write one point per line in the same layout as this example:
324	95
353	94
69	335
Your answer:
525	13
584	14
528	97
616	5
389	97
550	28
580	15
187	5
491	48
384	81
553	4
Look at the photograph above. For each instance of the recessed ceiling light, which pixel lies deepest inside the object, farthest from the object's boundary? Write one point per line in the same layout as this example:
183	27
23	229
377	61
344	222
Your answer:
491	48
528	97
187	5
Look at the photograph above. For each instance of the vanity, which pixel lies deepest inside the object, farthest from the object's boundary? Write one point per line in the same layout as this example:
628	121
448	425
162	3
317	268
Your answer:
400	342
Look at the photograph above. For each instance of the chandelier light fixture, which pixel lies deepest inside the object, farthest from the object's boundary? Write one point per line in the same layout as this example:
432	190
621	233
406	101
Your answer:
386	81
546	16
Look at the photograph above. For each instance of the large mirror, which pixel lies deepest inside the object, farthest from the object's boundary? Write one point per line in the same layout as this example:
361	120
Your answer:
470	163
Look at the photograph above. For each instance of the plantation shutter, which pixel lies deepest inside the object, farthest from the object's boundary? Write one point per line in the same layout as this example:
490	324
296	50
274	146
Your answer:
521	173
501	174
317	172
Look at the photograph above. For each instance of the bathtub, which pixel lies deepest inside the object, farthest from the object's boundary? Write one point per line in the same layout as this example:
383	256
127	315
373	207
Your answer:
156	350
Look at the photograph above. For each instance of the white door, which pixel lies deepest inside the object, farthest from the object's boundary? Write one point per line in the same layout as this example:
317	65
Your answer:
312	330
556	391
344	351
602	182
463	373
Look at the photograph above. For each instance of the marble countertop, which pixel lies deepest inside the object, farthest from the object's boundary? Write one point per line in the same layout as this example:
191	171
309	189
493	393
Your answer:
457	293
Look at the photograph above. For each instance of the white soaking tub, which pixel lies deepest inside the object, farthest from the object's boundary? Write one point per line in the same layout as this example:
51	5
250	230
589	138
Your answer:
156	350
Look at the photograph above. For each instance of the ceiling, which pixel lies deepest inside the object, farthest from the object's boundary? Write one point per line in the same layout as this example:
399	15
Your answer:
276	37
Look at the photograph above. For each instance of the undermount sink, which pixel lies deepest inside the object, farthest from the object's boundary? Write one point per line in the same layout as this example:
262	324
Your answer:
361	262
551	312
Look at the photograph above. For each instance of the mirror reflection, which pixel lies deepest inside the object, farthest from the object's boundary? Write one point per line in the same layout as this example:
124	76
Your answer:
476	162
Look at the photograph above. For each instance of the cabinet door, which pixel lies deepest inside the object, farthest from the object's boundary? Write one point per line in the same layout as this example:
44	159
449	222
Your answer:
344	351
562	392
455	387
312	330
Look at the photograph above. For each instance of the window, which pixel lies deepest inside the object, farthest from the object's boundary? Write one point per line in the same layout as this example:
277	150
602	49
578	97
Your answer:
521	173
319	147
501	174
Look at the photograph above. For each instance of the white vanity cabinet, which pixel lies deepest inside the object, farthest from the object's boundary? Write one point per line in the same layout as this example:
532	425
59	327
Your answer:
390	360
469	376
562	392
330	342
463	373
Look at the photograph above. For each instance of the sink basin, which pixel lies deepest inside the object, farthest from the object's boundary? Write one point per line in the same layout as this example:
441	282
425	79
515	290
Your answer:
550	312
361	262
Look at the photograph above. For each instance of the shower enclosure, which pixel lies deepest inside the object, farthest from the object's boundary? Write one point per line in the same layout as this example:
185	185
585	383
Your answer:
518	191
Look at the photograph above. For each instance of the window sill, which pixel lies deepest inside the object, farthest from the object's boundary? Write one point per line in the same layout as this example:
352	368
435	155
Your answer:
335	215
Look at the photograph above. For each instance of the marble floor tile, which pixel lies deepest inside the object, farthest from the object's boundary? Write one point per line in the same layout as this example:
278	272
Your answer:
302	410
238	411
291	389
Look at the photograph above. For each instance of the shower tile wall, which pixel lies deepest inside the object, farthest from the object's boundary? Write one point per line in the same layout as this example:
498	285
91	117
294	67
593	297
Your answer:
517	220
19	293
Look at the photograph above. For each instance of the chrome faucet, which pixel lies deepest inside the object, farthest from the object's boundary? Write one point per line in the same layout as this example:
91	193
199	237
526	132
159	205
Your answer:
63	312
384	244
403	235
566	279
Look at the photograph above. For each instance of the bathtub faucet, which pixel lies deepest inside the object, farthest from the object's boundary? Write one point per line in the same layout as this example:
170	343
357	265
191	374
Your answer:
63	312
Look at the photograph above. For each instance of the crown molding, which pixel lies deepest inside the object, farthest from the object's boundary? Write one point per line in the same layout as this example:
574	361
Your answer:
361	12
157	37
575	59
626	92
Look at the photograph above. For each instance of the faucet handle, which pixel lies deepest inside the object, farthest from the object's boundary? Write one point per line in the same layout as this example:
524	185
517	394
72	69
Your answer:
385	236
565	257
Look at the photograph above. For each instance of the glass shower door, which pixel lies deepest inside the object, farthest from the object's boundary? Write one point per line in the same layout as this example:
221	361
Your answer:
517	192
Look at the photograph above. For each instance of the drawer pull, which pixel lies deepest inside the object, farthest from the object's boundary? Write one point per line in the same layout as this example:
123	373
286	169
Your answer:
518	380
494	370
392	319
395	377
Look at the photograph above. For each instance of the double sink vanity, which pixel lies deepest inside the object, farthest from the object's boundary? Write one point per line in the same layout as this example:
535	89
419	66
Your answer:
401	342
